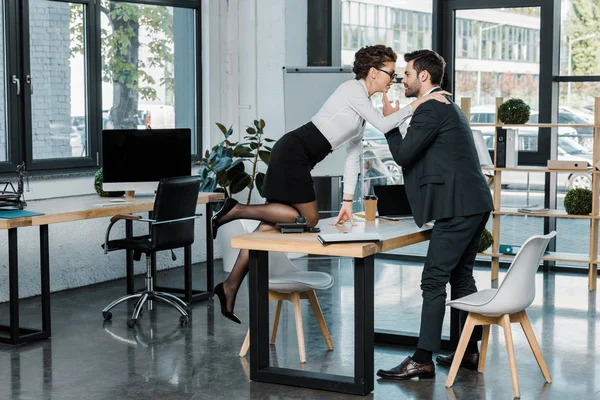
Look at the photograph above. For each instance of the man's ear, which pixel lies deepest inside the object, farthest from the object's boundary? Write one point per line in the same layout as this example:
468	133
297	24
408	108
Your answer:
424	76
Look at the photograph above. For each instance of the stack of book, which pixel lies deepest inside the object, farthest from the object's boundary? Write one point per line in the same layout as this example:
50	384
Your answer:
533	209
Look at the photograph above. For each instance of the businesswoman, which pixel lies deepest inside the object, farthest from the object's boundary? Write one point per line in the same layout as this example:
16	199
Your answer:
288	186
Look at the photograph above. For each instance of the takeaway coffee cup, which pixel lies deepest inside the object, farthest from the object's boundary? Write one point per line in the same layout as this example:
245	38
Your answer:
370	203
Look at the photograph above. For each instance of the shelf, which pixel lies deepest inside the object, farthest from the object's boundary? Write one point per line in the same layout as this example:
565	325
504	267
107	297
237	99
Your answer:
532	168
549	256
549	213
541	125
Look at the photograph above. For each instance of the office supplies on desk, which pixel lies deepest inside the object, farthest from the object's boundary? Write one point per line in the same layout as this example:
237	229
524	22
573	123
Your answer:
113	204
349	237
10	214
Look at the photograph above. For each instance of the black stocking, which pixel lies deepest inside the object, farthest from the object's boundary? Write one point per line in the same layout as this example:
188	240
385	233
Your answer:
232	284
270	212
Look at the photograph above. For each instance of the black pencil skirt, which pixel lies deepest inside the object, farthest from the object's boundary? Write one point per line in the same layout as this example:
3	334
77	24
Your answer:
288	178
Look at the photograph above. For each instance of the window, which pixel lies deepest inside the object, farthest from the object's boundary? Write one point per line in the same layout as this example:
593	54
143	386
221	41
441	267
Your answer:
3	91
143	75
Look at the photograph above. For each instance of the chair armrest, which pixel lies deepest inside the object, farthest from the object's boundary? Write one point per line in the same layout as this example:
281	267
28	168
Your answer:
117	218
170	221
124	216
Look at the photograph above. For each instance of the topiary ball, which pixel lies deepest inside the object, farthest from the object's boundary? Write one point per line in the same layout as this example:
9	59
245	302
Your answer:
98	187
514	111
485	241
578	201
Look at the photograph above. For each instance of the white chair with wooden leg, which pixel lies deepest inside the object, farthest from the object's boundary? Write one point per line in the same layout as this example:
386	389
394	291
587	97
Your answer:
502	307
286	282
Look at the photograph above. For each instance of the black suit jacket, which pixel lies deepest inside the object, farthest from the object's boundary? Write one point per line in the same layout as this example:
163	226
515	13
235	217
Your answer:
441	169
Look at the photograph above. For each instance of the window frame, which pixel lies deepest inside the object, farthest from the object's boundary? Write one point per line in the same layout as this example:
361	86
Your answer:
19	117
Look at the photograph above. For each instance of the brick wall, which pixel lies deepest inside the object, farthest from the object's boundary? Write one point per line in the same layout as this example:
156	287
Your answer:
51	75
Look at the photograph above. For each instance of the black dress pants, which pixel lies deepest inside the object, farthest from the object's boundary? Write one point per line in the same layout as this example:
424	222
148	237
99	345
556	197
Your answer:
450	257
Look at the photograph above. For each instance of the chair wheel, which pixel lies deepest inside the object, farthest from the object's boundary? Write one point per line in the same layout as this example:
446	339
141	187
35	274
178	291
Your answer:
131	323
107	315
184	320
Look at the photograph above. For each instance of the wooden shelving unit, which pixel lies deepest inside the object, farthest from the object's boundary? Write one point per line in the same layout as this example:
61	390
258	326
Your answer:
592	258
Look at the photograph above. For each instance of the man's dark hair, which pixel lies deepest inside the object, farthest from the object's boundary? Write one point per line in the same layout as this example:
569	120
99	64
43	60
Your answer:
372	56
430	61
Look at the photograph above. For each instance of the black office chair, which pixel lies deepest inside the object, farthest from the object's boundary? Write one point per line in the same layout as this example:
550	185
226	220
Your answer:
172	227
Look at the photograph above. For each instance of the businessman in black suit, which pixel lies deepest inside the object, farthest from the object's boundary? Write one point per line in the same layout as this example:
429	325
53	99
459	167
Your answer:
444	182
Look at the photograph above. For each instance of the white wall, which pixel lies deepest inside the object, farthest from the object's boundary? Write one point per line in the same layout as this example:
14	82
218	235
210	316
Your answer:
246	43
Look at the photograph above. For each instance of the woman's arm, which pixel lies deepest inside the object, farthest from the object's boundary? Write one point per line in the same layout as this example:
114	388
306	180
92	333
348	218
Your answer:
361	103
351	171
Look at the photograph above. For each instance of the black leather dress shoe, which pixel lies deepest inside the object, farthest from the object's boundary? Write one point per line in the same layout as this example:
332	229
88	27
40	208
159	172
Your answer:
409	369
227	206
469	361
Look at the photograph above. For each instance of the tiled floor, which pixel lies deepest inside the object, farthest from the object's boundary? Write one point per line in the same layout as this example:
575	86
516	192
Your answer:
88	359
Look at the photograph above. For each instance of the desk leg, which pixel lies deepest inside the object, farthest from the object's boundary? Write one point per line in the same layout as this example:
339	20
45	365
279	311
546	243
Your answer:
260	370
129	257
45	278
14	334
210	257
13	284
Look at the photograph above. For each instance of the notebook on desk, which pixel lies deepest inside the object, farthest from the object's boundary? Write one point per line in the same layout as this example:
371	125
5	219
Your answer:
349	237
392	202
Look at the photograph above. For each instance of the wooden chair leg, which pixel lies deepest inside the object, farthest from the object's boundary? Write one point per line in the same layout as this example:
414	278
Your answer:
510	349
460	350
484	345
245	345
535	348
276	321
299	329
316	307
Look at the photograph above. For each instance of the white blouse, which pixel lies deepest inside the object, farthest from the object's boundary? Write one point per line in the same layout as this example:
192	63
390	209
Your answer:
341	120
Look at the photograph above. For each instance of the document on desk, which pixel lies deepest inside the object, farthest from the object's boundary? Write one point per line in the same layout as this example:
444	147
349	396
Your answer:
113	204
349	237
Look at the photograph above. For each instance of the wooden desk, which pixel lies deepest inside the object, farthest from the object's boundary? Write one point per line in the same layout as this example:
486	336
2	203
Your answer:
395	234
77	208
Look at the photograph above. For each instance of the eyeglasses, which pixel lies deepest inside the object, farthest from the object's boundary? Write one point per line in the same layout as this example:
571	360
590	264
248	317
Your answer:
392	75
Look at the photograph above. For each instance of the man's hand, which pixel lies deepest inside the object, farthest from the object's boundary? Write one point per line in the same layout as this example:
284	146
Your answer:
388	107
345	214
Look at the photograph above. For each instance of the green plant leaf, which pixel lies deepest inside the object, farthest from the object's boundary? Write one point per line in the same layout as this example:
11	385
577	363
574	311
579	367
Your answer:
223	164
251	131
229	132
265	156
268	148
222	128
241	151
208	185
256	124
240	183
261	124
236	168
254	146
235	164
259	181
269	140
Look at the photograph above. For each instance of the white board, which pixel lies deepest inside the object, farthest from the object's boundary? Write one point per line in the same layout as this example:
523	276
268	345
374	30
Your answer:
305	91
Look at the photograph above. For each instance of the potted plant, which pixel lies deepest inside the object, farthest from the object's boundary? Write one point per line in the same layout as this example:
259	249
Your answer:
514	111
223	169
578	201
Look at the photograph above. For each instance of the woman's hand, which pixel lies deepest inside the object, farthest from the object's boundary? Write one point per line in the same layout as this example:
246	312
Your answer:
345	214
388	107
439	96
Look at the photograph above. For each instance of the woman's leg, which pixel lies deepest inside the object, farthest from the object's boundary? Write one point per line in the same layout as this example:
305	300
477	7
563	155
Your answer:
270	213
233	282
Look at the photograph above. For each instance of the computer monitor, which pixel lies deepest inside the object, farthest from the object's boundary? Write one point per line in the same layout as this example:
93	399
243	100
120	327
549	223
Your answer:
137	159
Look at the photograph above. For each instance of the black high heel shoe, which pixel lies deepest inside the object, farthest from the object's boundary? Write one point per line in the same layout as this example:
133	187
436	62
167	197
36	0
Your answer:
228	206
220	292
